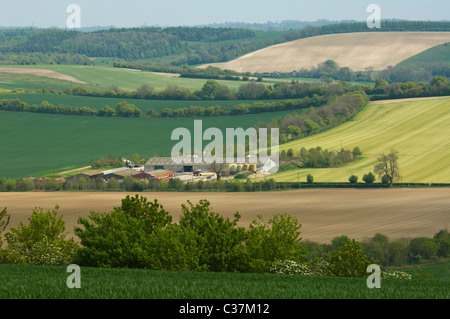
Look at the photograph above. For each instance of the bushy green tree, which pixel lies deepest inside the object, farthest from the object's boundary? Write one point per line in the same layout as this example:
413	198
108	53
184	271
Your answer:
442	239
377	247
120	238
369	178
349	261
219	240
309	179
43	241
278	239
353	179
423	248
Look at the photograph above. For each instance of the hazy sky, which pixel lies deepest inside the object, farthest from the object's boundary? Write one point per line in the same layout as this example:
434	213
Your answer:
46	13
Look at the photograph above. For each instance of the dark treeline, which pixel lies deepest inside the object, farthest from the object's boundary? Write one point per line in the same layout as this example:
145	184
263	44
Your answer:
187	72
192	45
125	109
214	90
438	86
420	72
386	26
196	45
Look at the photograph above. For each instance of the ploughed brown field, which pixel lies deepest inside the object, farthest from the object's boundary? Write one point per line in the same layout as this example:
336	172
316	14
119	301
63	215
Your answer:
323	213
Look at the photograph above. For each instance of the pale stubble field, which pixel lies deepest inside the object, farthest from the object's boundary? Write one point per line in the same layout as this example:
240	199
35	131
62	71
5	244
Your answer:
323	213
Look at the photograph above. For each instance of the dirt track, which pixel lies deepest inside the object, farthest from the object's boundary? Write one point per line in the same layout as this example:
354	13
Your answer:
323	213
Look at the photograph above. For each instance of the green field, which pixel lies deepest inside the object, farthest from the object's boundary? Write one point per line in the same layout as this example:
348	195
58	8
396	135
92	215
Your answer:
105	76
11	81
49	282
440	53
419	130
33	144
99	102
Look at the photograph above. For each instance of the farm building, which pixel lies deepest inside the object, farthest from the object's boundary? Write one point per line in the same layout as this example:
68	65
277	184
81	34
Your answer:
161	174
166	163
120	175
88	175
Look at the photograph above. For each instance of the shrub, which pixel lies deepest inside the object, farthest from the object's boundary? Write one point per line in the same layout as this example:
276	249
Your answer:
121	238
442	238
396	274
369	178
423	248
349	261
42	242
353	179
309	179
267	243
290	267
218	239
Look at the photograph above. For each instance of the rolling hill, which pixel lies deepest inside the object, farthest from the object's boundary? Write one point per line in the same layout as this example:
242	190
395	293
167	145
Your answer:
437	54
417	128
358	51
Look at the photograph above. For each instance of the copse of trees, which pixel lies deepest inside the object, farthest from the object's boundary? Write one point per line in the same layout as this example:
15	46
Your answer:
146	236
318	157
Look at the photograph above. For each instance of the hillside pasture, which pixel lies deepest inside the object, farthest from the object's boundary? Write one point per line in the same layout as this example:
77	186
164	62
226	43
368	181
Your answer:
358	51
438	54
417	128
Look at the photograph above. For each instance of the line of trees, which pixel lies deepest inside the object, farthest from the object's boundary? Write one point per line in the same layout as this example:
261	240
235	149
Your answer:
330	70
125	109
316	120
387	26
213	90
186	71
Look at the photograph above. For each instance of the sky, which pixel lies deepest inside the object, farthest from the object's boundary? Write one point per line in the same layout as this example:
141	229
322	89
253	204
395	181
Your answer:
136	13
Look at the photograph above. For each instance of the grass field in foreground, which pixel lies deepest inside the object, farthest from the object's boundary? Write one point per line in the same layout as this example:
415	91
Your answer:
419	130
49	282
33	144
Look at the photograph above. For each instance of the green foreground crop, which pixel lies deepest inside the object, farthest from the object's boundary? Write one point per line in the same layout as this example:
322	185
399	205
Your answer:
50	282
